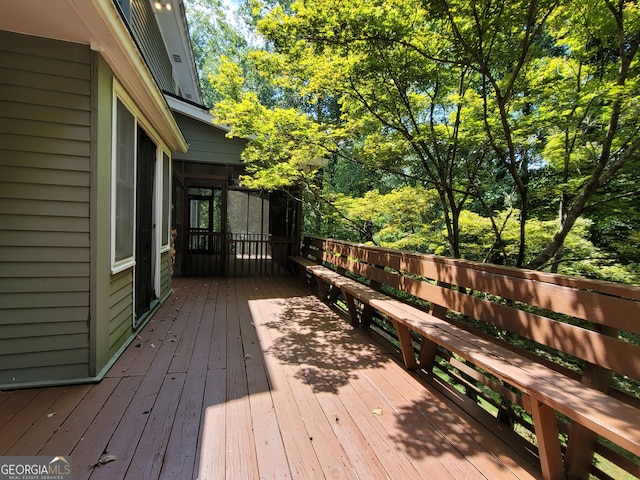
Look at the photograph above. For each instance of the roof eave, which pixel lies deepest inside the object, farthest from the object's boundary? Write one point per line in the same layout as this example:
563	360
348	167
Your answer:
129	66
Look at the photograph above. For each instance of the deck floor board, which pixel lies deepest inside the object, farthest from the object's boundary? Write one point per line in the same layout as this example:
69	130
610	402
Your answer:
255	378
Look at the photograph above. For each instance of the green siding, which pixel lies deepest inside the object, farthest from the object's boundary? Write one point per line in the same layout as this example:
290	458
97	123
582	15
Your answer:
207	143
165	274
120	310
45	149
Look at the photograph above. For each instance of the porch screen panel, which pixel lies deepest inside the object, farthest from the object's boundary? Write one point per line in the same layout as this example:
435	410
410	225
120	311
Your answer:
248	233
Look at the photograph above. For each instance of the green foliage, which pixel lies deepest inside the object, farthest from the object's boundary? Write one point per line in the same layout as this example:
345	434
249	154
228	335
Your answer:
212	38
490	130
406	218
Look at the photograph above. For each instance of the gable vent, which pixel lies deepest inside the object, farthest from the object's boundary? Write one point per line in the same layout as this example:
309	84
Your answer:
177	59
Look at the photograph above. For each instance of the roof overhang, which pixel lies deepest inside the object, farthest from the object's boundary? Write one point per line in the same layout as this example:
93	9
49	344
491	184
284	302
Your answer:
98	23
197	112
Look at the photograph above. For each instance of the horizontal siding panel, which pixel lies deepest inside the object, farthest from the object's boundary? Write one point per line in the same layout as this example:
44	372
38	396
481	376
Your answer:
26	111
43	254
44	315
45	223
222	147
121	297
42	96
120	301
38	285
46	208
207	157
45	163
41	81
57	130
44	160
49	343
120	335
44	269
44	176
198	129
165	273
121	312
43	300
121	286
44	365
53	146
119	341
44	238
121	326
47	329
38	47
207	143
48	371
44	192
50	66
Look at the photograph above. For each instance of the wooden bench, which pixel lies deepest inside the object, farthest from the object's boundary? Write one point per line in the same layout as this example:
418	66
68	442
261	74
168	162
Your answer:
544	388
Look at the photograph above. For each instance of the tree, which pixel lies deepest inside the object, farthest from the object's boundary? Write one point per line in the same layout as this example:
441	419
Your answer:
398	112
598	132
472	100
218	33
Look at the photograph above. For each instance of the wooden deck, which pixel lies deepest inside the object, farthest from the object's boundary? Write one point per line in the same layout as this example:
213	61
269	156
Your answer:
255	378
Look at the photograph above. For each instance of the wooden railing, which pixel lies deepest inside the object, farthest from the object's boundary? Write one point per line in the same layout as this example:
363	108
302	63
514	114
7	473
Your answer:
213	254
257	254
482	329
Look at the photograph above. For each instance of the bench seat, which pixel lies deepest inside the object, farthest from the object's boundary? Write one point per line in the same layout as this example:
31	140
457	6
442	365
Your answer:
544	390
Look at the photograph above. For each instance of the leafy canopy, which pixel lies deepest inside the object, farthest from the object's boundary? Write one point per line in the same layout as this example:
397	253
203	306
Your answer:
502	116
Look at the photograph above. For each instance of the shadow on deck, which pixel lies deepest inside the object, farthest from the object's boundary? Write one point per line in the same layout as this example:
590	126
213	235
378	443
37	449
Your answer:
255	378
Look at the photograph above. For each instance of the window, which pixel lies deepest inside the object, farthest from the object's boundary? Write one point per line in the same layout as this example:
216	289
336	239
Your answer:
125	144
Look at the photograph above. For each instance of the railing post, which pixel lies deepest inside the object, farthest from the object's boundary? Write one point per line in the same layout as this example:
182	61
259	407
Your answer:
367	315
582	441
429	349
428	353
333	295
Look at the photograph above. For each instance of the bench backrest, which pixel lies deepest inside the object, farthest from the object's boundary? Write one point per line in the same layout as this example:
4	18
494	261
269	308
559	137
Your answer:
592	321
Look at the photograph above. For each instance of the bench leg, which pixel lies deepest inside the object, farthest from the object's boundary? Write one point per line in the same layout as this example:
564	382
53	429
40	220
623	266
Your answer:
335	291
549	448
367	315
333	294
322	288
351	305
406	345
428	352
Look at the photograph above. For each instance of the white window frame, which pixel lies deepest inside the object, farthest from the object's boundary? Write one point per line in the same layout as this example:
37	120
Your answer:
118	265
165	201
119	94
